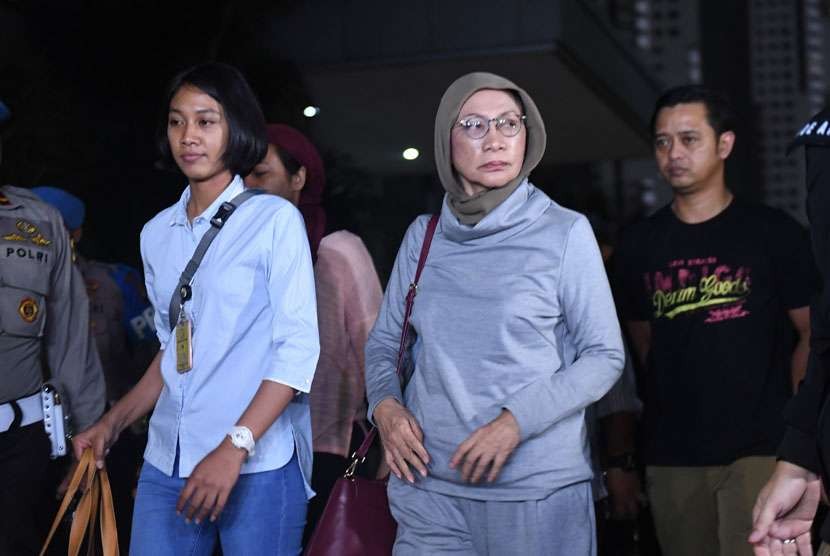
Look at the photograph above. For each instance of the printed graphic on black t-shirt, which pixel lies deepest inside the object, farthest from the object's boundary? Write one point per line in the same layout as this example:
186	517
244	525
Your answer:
716	295
700	284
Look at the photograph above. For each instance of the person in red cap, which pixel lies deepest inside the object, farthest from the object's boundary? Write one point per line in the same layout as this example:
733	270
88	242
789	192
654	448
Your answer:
348	300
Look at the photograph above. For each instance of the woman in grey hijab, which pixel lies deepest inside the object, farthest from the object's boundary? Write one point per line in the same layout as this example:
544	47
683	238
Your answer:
516	334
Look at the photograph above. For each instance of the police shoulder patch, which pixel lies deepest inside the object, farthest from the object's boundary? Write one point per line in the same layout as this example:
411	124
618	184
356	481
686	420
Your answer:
815	132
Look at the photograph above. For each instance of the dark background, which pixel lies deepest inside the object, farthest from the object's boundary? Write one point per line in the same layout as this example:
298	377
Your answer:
84	81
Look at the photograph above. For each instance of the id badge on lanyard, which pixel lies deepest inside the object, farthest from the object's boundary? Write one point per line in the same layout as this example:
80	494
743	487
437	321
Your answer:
184	336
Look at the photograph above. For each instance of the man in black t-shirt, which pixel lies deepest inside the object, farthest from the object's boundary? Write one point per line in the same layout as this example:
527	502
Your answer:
710	288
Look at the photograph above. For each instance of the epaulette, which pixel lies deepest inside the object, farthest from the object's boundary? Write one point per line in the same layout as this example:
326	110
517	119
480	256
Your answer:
21	193
815	132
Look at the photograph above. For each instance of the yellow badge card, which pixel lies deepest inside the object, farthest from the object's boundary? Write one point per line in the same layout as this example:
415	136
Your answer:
184	346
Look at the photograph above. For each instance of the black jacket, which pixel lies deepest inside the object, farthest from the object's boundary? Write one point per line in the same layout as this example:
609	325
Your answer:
807	440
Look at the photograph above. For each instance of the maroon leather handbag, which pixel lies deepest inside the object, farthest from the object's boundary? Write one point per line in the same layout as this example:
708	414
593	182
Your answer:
356	520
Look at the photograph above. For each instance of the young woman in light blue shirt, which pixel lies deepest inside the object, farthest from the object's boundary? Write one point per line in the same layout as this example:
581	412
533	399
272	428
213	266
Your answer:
228	454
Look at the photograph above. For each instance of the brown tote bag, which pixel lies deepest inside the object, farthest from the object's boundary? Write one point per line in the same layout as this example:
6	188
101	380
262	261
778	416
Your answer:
356	520
94	509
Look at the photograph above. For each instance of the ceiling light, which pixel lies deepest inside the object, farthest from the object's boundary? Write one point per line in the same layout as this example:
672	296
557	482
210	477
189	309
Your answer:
411	153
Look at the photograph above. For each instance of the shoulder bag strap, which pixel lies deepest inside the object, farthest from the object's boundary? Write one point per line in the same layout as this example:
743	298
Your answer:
216	223
360	454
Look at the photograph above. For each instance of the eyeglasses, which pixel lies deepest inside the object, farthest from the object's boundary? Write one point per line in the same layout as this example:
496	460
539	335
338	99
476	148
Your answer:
476	127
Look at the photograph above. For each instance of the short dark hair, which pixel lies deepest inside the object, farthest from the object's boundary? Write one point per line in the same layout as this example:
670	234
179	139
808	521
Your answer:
719	112
247	141
291	164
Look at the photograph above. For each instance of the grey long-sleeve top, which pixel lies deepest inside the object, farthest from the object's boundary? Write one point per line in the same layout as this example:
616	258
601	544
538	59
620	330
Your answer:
514	312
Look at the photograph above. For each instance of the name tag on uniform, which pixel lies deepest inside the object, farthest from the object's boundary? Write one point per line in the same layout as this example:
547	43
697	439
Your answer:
184	345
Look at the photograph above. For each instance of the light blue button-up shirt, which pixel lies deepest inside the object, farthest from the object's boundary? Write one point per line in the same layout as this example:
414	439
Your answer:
254	318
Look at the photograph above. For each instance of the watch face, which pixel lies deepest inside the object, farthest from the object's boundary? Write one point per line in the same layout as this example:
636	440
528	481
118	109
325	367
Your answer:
242	438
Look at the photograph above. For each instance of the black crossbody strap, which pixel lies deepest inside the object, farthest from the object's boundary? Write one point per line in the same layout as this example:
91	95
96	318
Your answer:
216	223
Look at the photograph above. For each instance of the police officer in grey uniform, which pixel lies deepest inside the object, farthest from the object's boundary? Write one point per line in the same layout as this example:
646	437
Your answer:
44	327
121	323
120	315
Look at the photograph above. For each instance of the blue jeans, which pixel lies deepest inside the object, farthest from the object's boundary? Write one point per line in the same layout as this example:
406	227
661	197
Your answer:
265	514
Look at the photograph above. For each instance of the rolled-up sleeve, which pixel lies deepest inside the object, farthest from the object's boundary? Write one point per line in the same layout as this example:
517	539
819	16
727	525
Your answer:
594	331
295	341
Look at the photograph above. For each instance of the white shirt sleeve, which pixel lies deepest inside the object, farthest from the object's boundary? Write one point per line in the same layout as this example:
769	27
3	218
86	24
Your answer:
291	293
159	305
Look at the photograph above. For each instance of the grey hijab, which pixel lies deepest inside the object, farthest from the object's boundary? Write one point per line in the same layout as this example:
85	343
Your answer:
471	209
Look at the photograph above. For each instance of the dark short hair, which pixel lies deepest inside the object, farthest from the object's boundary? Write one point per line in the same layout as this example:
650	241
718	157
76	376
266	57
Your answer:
247	142
719	112
291	164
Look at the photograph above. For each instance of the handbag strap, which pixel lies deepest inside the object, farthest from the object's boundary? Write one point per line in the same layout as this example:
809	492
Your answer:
95	511
80	471
95	507
85	520
222	214
109	530
360	455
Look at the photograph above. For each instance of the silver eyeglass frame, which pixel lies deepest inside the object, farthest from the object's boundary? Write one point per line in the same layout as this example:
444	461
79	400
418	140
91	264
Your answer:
463	124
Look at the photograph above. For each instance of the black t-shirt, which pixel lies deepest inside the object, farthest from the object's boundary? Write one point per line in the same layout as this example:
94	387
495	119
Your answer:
716	295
